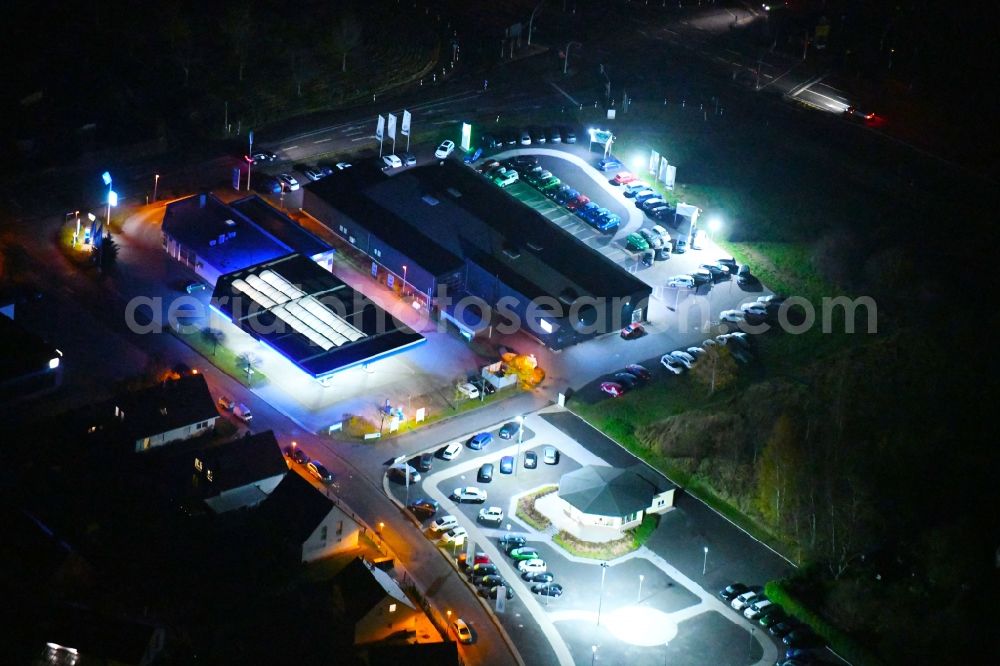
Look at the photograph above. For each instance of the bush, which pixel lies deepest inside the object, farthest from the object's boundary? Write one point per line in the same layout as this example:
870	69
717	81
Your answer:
838	641
526	508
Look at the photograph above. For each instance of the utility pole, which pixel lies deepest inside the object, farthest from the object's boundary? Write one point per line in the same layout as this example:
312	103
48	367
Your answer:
531	21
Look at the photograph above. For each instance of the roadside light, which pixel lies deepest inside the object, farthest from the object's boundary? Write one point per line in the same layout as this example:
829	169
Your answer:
449	615
294	444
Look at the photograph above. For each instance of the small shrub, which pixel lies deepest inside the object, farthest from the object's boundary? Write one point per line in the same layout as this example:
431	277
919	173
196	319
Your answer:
526	508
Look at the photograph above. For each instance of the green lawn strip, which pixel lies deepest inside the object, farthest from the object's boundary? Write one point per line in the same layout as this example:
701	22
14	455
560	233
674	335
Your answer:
838	641
526	508
221	357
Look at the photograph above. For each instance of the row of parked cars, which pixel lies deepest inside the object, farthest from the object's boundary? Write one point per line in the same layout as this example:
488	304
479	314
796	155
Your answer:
528	136
764	309
626	379
295	454
711	273
682	360
802	643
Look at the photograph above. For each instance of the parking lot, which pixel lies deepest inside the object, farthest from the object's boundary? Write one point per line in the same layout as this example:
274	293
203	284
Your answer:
669	617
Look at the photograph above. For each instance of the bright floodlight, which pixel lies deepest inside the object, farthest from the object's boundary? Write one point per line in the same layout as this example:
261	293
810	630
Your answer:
714	224
53	363
112	198
106	176
639	163
637	625
519	419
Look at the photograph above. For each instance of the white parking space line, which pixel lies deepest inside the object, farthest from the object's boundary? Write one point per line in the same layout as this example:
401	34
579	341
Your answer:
362	138
323	140
290	147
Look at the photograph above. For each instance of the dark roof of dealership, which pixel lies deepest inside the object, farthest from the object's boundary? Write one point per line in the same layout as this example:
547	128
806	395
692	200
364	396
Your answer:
309	315
610	491
444	211
233	236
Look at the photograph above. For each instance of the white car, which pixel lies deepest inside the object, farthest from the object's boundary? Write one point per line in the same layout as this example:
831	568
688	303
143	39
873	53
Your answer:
732	316
444	150
532	566
343	165
683	357
468	390
671	364
493	514
742	601
313	174
444	523
662	233
455	536
469	494
696	352
392	161
756	609
738	337
290	181
755	308
451	451
462	632
681	282
710	342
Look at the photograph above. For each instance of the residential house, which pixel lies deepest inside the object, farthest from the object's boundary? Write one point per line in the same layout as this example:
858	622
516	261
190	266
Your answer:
166	412
309	522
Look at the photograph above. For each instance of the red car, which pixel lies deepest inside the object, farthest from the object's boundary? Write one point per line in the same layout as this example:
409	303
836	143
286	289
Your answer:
579	202
613	389
633	331
481	558
624	178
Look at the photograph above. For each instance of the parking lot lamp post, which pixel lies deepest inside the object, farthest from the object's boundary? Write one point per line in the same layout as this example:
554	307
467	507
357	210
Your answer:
593	654
704	564
404	280
750	649
639	596
156	185
520	437
566	55
600	599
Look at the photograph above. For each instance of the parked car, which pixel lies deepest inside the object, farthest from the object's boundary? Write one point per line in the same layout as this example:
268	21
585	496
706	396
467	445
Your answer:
423	508
473	156
782	629
319	471
444	523
489	580
770	619
398	474
504	177
569	136
633	331
730	592
754	308
700	275
680	246
563	196
446	148
485	474
492	592
729	263
469	494
627	380
243	413
525	161
262	156
487	166
491	141
507	465
530	460
639	372
744	277
651	203
462	633
636	243
456	536
409	159
549	185
511	541
696	352
671	364
743	600
681	282
802	637
683	357
425	461
579	202
634	188
610	164
731	316
313	173
226	403
451	451
478	558
480	440
653	239
760	607
534	566
624	178
493	514
553	135
525	138
295	454
291	183
510	430
614	389
550	455
391	162
543	577
718	272
548	589
537	135
485	569
524	553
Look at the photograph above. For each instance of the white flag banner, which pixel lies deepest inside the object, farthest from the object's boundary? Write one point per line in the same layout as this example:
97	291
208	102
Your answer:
661	174
654	162
380	128
671	176
405	128
392	127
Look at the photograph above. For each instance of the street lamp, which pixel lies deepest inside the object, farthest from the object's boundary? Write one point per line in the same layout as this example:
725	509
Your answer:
639	596
714	224
593	654
156	185
704	564
381	526
600	599
520	437
404	280
106	177
566	55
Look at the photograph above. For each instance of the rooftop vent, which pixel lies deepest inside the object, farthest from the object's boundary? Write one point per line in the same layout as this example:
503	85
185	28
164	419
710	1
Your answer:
429	200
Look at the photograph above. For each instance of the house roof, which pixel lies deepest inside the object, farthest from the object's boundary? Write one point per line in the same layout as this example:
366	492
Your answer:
295	508
166	406
606	491
220	235
444	653
242	461
97	636
366	586
310	316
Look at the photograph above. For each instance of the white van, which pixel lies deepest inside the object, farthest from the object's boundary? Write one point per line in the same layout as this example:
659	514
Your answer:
468	390
242	412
